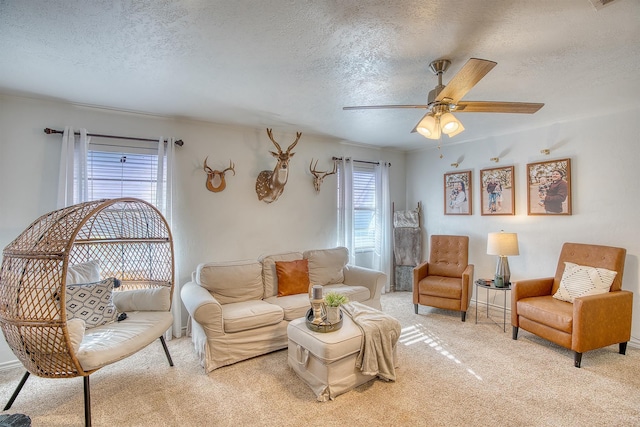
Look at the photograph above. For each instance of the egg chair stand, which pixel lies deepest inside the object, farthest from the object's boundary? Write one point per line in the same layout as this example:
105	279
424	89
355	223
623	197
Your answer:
132	242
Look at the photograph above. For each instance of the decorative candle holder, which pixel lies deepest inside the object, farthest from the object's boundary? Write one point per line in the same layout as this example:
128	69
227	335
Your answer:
317	304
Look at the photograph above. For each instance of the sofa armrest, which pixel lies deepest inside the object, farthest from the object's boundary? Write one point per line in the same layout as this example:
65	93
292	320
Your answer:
360	276
467	287
203	308
528	288
419	273
601	320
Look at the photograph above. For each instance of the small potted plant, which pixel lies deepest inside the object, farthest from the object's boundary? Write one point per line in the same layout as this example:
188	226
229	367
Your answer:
333	300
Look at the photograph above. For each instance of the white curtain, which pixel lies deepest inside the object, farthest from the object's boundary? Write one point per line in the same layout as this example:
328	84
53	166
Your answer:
382	257
383	214
345	207
164	202
73	186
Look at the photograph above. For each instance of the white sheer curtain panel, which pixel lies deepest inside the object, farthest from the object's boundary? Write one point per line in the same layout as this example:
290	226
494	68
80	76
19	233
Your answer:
384	249
73	180
164	202
345	207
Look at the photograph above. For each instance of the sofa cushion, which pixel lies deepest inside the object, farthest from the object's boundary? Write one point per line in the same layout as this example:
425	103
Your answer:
353	292
245	315
269	274
115	341
580	281
325	265
231	282
294	306
293	277
548	311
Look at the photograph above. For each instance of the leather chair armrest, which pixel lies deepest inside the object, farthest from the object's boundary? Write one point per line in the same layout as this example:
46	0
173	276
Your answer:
525	289
419	273
601	320
467	286
203	308
372	279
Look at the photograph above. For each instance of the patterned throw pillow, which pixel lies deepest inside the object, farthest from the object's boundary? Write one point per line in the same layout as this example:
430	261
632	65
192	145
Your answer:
92	302
579	281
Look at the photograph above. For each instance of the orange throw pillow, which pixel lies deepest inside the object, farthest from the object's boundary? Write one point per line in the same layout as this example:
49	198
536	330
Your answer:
293	277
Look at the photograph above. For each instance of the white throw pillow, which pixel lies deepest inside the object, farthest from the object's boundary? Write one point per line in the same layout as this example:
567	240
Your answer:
153	299
84	272
579	281
92	302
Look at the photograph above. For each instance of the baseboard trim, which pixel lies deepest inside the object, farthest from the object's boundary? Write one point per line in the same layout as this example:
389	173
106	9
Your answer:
12	364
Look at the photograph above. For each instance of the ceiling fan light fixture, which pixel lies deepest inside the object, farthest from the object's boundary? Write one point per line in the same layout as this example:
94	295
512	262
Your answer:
449	123
428	127
457	131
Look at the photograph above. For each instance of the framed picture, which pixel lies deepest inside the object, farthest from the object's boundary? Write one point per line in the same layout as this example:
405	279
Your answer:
457	193
549	187
497	191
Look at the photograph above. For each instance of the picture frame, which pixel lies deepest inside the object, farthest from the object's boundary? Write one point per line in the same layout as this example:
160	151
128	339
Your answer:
458	193
549	187
497	191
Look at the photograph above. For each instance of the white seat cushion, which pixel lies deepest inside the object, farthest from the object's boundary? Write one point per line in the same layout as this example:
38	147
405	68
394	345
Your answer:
115	341
245	315
294	306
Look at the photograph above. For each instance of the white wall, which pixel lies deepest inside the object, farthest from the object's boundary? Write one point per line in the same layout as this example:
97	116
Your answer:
229	225
605	171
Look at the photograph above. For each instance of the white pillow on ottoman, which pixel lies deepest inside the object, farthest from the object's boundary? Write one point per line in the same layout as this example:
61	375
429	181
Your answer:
579	281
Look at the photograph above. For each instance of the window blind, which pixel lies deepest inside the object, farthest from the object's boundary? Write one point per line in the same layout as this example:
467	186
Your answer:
364	207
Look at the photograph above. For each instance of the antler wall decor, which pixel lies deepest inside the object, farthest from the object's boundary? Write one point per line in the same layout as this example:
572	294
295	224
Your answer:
319	176
215	178
270	184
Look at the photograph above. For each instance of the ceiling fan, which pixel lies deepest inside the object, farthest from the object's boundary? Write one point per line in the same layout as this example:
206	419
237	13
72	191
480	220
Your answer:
446	99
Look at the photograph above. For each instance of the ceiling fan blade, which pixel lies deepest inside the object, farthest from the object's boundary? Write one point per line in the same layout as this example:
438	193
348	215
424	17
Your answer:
470	74
378	107
497	107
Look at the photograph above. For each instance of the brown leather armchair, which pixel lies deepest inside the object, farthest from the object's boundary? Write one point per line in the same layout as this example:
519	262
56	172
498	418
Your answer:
445	280
589	323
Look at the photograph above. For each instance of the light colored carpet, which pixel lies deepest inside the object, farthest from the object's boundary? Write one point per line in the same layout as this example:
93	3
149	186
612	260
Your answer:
450	374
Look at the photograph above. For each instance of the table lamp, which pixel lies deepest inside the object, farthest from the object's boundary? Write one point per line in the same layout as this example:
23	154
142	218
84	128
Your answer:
502	244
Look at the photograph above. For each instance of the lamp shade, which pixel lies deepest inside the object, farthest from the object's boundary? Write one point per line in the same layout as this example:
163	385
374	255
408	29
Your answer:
503	244
449	123
429	127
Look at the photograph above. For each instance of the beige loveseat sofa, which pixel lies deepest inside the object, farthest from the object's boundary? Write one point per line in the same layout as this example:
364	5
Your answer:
235	311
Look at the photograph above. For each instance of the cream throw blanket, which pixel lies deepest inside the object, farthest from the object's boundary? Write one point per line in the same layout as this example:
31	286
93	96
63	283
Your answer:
380	334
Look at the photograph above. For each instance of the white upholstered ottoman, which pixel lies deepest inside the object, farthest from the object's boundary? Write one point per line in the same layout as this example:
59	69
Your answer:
326	361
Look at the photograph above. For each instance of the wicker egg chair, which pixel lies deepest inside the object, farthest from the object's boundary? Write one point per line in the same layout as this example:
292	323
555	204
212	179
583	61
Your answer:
132	242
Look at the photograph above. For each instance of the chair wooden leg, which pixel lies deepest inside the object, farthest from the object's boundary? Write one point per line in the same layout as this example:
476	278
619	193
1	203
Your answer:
514	332
17	391
415	306
166	350
463	315
87	402
577	359
622	348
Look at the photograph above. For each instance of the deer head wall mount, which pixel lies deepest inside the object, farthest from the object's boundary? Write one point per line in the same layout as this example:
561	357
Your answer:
270	184
215	178
319	176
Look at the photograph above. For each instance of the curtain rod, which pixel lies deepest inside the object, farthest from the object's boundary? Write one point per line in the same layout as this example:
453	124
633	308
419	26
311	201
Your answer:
359	161
50	131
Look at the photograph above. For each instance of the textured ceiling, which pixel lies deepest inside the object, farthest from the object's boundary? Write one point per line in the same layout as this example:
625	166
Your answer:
293	64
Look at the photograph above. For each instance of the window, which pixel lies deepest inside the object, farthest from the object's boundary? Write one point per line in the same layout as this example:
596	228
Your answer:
364	208
122	171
